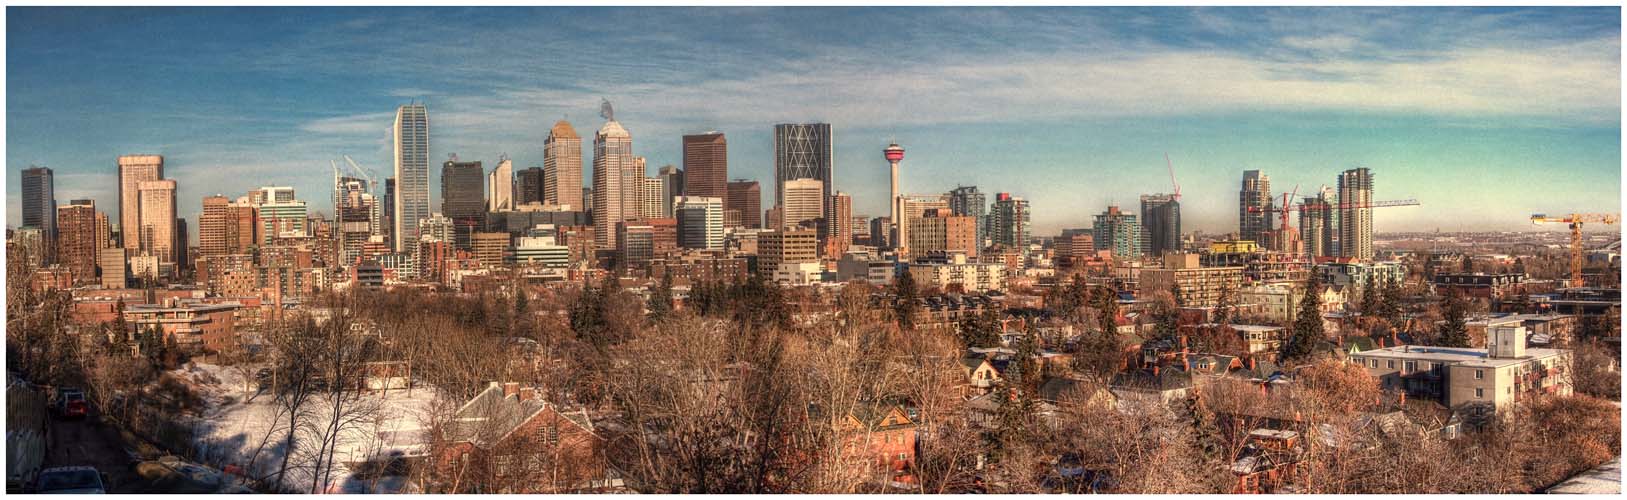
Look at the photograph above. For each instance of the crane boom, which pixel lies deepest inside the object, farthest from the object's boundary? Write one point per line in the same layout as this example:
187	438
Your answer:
1576	221
1172	181
1341	206
372	180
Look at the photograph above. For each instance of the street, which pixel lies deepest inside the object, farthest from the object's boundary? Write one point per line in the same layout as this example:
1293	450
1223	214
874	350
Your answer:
90	442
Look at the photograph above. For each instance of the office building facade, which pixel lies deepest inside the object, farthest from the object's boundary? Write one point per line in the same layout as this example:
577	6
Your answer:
411	199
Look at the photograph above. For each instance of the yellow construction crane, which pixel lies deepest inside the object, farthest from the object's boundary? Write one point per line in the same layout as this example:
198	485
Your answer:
1575	221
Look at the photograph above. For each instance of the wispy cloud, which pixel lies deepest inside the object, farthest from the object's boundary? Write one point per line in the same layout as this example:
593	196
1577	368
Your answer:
334	75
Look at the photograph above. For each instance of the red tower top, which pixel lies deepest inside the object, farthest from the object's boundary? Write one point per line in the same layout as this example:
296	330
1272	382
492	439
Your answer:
893	152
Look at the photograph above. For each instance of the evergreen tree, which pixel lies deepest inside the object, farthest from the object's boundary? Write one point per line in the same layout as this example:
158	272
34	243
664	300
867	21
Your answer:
1468	263
1369	298
1389	302
585	315
904	295
1107	310
1519	265
1223	306
1307	330
1167	319
1015	397
981	329
522	312
661	298
1205	431
1454	321
760	304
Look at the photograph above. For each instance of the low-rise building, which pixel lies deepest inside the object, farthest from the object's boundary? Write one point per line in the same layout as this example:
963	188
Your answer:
801	273
1280	301
955	274
1498	375
192	325
865	267
1481	285
1360	274
1198	286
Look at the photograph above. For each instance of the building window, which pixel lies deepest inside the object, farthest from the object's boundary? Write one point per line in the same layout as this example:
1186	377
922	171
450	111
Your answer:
1389	363
1373	363
1479	374
1411	366
1479	393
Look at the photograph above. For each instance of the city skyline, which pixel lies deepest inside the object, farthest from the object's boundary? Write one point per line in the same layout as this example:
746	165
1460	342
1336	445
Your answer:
1484	115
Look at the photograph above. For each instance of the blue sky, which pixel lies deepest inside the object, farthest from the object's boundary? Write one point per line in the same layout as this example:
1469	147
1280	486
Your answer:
1484	115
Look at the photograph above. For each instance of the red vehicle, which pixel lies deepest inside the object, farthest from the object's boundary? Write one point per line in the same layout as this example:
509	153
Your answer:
71	403
76	409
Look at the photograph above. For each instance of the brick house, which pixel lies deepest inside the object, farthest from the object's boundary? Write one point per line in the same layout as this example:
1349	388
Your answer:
883	433
507	440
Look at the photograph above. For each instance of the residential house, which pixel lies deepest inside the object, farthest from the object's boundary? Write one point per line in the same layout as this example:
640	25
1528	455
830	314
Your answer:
508	440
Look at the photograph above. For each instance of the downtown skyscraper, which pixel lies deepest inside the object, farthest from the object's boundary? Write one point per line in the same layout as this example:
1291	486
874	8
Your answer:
1253	207
562	167
747	197
1316	225
462	198
616	180
1009	221
528	186
802	151
706	166
500	186
1119	232
1161	218
77	242
1356	214
157	232
39	205
968	201
134	170
411	200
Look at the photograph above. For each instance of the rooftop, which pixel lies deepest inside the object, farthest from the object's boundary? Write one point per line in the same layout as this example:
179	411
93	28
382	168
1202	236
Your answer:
1458	355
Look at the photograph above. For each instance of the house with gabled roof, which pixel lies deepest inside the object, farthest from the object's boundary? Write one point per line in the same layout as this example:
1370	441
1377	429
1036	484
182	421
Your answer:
884	433
508	440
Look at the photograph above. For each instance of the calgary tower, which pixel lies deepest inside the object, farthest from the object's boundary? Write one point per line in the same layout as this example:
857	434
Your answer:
894	154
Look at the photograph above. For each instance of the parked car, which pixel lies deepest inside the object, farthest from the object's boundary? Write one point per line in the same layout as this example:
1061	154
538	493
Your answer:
78	480
71	403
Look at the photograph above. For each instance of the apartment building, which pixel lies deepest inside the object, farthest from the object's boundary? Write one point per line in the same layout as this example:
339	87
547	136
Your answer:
1503	373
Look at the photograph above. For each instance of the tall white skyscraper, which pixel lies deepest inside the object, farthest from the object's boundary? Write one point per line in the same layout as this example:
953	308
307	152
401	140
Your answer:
500	186
616	180
411	174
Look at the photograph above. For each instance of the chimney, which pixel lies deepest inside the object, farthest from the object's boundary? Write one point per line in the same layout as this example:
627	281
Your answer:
528	393
511	389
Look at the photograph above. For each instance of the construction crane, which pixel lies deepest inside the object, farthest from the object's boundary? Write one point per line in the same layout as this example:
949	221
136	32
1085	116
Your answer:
1575	221
1167	163
372	179
1340	206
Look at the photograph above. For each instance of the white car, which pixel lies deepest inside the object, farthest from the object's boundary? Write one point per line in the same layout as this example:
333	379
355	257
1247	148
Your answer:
79	480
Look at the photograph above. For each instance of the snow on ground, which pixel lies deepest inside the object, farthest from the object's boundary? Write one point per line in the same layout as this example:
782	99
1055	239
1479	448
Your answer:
1604	479
246	429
